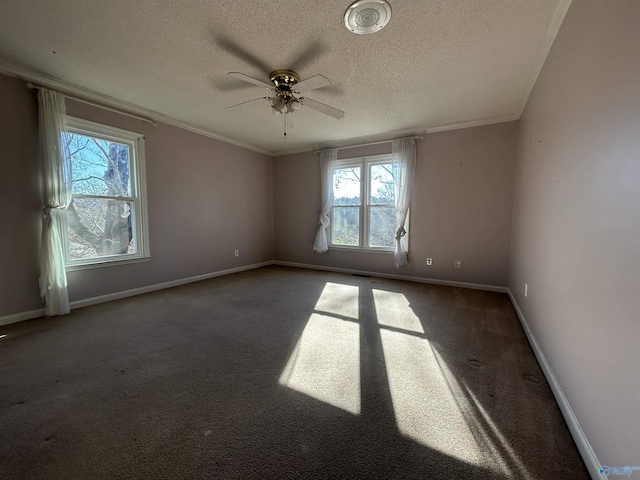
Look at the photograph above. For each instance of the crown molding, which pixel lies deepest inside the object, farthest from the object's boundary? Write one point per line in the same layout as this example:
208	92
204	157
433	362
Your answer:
124	107
389	136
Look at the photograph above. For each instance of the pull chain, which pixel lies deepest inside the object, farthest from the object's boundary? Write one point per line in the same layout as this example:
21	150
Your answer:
284	124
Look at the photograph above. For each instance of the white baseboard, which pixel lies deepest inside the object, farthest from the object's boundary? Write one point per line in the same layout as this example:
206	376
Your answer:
588	455
19	317
161	286
432	281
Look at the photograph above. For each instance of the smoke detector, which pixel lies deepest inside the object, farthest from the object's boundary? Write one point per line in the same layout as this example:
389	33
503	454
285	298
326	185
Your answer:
366	16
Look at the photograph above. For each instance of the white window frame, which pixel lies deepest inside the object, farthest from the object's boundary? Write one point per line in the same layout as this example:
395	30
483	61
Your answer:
365	164
138	194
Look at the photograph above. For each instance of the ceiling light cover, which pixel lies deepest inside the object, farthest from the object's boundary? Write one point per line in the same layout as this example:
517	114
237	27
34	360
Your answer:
364	16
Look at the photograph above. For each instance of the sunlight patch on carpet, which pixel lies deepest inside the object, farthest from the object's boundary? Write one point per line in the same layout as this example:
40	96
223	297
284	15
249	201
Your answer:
484	428
393	310
339	300
326	362
423	404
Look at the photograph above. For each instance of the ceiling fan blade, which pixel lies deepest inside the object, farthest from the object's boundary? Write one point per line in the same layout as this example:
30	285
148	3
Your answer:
311	83
247	78
322	108
308	55
233	107
240	52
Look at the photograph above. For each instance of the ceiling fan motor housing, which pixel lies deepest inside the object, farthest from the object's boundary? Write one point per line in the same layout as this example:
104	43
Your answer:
284	80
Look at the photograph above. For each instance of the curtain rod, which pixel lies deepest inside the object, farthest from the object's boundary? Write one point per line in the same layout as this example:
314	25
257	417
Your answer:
369	143
95	104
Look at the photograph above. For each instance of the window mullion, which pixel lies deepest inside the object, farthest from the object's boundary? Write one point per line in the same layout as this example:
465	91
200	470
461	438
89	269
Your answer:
364	229
105	197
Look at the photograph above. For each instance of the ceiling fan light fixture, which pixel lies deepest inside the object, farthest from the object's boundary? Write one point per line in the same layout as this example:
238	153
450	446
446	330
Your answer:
277	104
293	105
366	16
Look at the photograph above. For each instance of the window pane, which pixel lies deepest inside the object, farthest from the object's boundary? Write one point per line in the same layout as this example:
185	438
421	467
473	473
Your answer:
346	186
382	191
346	226
99	227
382	226
99	167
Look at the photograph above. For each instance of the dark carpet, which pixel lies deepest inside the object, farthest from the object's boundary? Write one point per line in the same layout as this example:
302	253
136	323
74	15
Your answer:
280	373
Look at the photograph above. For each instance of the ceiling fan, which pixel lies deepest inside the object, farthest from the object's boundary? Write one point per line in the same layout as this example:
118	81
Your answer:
286	85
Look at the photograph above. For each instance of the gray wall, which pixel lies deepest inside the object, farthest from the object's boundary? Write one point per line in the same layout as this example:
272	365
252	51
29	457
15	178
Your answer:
20	198
576	221
460	208
206	199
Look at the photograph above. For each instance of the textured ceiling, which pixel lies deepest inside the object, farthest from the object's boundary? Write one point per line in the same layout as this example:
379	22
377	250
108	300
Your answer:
438	64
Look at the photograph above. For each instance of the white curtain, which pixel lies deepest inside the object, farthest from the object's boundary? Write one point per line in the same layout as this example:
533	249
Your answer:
327	160
403	153
56	195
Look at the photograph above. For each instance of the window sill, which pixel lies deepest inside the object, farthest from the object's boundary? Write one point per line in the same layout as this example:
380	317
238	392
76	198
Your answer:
361	249
107	263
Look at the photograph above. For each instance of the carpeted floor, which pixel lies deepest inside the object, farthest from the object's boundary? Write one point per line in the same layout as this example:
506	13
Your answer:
281	373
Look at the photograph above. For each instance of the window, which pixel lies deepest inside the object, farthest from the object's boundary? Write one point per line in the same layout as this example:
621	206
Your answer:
363	213
106	220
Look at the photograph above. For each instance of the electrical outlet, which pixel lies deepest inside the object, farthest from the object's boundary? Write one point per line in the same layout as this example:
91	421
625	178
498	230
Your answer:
237	253
429	261
525	289
457	264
